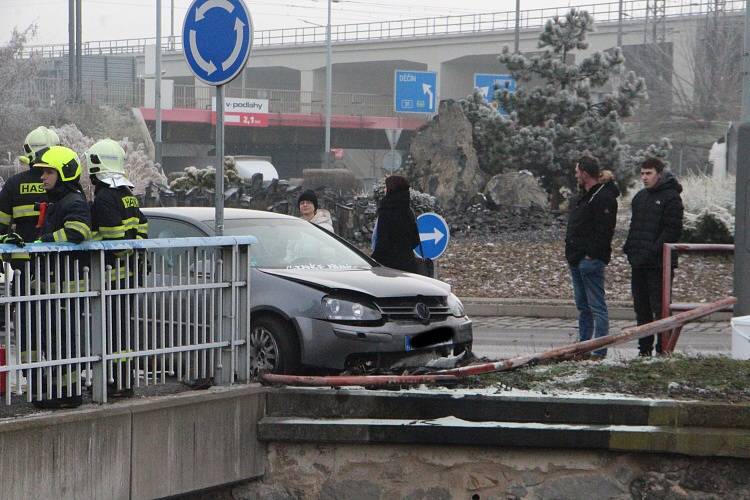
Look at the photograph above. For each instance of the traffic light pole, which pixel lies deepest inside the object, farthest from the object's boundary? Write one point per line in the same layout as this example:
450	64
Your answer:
219	217
741	234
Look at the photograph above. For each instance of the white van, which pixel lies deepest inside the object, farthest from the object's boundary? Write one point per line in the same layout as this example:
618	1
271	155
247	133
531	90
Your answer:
247	166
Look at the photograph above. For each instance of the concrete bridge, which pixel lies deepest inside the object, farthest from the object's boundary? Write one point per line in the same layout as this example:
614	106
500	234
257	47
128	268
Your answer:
287	67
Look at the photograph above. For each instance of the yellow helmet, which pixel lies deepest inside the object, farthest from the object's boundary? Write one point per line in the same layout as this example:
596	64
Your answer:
38	139
62	159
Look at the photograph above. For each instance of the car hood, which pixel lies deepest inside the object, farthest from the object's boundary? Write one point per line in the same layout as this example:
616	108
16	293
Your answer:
376	282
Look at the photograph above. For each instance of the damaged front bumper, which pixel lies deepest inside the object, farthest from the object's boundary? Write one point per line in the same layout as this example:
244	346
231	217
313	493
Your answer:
336	346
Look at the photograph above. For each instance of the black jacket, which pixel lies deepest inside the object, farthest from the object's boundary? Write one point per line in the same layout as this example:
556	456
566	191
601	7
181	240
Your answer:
68	217
591	224
116	215
397	233
656	219
19	203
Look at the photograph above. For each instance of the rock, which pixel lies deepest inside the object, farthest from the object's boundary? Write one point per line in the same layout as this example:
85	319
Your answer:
255	490
362	490
516	189
340	180
430	494
703	479
443	161
571	487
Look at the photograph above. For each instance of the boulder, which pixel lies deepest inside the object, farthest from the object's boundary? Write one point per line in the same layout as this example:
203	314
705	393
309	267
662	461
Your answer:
443	160
516	189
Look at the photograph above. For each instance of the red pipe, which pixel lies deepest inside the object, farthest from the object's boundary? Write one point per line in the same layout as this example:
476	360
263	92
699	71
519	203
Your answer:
669	339
345	380
565	352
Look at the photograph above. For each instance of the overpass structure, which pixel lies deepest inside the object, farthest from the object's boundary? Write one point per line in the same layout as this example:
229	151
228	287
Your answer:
287	68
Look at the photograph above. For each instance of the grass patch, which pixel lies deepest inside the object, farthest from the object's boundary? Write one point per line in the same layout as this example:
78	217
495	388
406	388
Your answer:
708	378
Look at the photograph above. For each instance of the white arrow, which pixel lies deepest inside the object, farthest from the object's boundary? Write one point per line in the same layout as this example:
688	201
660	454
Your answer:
200	12
239	39
427	90
206	66
436	235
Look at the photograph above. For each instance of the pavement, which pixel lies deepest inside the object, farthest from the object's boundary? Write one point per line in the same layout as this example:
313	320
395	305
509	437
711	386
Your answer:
507	336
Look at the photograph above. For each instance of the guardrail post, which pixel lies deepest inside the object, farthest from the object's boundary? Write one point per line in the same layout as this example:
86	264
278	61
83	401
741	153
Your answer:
227	331
243	314
98	335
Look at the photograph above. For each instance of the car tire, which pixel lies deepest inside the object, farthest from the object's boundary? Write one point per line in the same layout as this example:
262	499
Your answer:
273	347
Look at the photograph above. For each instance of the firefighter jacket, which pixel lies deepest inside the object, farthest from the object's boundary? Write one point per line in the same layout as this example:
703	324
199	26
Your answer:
19	203
116	216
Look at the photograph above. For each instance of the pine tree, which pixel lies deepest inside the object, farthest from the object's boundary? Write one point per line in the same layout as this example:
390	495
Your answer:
549	126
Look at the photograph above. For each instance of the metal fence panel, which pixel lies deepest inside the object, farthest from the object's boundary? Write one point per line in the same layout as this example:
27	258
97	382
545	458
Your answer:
76	317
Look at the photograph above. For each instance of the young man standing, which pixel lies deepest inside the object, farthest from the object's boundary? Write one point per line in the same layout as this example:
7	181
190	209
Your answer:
588	246
656	219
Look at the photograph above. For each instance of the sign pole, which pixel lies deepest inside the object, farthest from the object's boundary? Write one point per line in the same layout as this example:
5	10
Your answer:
219	217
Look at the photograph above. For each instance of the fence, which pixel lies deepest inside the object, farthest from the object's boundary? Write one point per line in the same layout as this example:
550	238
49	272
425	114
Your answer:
173	308
669	338
605	12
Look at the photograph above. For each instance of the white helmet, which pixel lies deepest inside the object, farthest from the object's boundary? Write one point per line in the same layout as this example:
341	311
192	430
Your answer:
39	138
106	161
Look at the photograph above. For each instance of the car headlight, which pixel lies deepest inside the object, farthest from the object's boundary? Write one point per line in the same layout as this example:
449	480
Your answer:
456	307
345	310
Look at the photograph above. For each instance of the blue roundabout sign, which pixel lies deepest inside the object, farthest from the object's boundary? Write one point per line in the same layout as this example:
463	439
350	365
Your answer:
216	38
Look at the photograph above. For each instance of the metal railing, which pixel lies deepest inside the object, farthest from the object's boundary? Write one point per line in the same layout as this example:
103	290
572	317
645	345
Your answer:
669	338
174	308
45	92
607	12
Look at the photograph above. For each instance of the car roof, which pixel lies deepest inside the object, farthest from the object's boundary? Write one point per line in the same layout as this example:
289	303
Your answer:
208	213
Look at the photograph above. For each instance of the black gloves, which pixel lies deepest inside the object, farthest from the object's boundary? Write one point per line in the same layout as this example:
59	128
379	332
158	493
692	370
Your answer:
12	239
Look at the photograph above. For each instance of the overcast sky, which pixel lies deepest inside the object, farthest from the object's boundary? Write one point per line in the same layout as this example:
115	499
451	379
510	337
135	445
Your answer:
115	19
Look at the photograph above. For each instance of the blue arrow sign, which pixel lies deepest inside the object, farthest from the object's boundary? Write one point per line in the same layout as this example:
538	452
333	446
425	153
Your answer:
216	38
486	84
434	235
415	91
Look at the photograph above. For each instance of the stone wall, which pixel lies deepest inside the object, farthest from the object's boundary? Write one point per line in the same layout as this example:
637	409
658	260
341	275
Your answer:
368	472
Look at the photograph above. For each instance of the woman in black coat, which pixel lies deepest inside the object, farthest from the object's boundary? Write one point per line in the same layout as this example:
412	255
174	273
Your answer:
396	233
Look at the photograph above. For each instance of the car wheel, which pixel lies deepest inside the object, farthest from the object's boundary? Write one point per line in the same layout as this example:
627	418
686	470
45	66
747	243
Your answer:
272	347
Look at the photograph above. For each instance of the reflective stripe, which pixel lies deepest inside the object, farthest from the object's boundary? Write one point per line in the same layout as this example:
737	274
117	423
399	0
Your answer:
122	359
112	232
60	235
68	286
25	211
4	218
142	229
114	275
131	222
79	227
20	256
29	356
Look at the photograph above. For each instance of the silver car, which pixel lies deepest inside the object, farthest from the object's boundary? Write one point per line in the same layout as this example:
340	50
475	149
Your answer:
319	302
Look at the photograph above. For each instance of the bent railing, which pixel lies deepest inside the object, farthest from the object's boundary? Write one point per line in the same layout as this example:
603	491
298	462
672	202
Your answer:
75	317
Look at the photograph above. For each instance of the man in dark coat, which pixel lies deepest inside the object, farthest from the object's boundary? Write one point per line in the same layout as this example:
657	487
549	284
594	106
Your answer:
396	233
656	219
588	246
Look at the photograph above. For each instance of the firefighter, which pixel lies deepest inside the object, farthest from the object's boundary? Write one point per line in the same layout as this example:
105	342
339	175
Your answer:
68	219
116	216
20	199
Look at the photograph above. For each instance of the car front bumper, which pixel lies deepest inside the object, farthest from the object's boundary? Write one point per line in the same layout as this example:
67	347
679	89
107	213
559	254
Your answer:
325	344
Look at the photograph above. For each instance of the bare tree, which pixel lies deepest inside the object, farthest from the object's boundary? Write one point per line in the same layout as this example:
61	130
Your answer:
15	75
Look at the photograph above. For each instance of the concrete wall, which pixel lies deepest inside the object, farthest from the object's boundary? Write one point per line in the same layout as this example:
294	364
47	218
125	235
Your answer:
136	449
370	472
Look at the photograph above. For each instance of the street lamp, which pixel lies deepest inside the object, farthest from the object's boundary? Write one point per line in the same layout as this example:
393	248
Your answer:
329	86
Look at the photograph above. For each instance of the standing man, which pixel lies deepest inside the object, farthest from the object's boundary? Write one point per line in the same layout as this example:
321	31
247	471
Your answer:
588	246
656	219
116	215
67	218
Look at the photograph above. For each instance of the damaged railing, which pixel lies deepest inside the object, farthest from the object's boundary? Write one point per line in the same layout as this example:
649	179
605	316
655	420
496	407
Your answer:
124	314
560	353
669	338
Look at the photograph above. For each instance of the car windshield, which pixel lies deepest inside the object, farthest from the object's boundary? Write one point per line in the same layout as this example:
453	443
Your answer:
293	244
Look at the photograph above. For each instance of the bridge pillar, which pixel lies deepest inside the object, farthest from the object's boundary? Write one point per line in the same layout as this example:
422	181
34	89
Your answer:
306	87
